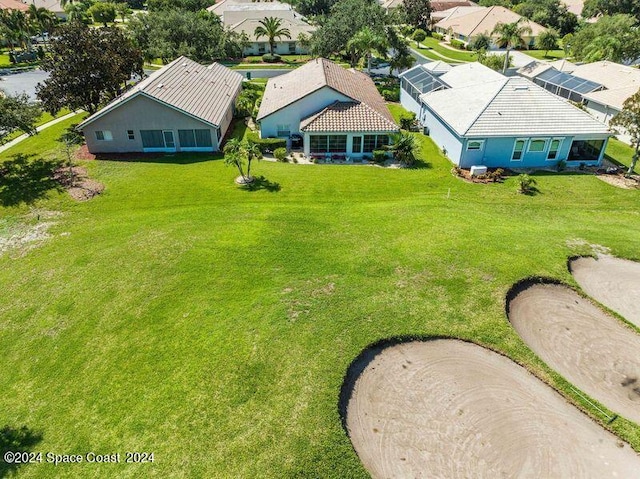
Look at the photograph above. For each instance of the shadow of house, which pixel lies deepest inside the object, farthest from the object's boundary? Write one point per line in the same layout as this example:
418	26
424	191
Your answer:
17	440
26	180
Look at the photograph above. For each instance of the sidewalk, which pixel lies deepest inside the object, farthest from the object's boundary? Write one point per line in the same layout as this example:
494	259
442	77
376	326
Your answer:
15	141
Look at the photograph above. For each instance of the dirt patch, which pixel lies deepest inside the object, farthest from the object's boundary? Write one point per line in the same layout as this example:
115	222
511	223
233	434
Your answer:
77	183
589	348
20	235
612	281
450	409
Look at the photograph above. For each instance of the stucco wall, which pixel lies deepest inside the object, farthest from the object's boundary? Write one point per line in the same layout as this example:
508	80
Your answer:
293	113
282	48
445	138
409	103
142	113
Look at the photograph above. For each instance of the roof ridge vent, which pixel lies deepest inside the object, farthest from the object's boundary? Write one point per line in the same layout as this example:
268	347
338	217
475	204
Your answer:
160	85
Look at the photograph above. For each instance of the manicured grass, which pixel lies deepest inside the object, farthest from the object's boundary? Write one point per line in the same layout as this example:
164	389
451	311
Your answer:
453	54
46	117
181	315
550	55
619	152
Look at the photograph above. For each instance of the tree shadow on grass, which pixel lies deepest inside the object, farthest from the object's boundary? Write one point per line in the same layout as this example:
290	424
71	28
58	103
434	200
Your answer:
16	440
261	183
25	179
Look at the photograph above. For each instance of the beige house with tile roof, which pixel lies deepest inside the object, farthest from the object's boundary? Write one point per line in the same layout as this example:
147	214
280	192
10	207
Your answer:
283	45
464	25
184	106
337	111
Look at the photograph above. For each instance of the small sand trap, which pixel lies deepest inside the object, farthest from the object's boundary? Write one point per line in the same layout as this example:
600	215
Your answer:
588	347
450	409
612	281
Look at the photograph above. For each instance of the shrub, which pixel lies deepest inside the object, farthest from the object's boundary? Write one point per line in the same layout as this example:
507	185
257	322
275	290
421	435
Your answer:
407	30
269	58
407	121
280	154
561	165
270	144
391	95
525	184
457	44
419	35
379	156
457	171
437	36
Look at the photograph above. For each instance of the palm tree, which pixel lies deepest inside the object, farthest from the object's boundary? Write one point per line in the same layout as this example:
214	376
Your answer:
42	19
364	43
270	28
234	155
253	152
404	148
510	35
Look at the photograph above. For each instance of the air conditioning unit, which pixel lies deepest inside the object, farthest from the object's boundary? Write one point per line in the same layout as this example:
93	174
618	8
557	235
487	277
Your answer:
425	131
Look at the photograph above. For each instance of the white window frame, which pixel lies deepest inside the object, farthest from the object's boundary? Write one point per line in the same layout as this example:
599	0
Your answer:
106	135
533	140
524	147
475	141
561	141
131	134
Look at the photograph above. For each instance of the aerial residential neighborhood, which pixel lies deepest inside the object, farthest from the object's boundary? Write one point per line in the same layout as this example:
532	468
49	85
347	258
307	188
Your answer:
319	238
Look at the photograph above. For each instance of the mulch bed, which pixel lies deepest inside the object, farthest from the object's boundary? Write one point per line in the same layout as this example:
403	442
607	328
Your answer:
83	154
483	179
77	183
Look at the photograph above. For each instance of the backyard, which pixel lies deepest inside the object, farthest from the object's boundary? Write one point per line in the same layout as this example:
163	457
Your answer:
182	315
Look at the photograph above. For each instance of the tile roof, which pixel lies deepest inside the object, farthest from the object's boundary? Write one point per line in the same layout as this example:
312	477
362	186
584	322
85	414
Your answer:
436	5
611	75
347	116
13	5
438	67
248	26
470	74
484	21
510	107
199	91
283	90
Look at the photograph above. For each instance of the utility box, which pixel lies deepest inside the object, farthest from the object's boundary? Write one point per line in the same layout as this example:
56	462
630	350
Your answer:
478	170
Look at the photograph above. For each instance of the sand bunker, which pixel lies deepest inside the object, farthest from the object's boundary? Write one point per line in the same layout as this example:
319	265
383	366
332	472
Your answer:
591	349
450	409
612	281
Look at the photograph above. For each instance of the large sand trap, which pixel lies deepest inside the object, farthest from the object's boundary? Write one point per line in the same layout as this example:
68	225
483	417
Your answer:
613	281
591	349
450	409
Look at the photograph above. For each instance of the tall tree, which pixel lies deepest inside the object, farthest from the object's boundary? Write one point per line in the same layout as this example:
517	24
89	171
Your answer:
43	20
18	112
271	27
103	12
547	40
315	7
615	38
363	44
418	13
510	35
594	8
88	67
629	119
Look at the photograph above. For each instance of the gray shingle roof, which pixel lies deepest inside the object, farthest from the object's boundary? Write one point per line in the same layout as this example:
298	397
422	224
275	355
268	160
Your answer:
286	89
347	116
200	91
510	107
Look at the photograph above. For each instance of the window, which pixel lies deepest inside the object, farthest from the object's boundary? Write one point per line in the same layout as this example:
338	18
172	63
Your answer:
292	47
328	143
475	145
194	139
553	148
585	150
536	146
357	144
283	131
130	135
518	148
103	135
261	48
375	142
152	138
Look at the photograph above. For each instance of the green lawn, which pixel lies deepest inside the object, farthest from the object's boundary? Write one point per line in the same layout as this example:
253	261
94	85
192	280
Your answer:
181	315
550	55
46	117
452	54
619	152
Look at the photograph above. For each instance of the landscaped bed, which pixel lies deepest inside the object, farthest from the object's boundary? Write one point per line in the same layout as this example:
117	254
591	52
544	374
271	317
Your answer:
181	314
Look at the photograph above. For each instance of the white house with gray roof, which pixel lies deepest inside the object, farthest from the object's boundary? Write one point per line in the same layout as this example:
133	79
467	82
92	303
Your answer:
338	111
184	106
480	117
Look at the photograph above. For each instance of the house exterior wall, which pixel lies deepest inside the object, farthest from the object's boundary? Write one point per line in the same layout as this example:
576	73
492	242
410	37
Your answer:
282	48
442	135
407	101
142	113
497	153
293	113
604	113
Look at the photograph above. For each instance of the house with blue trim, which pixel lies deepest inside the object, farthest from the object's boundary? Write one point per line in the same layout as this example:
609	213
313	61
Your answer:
479	117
